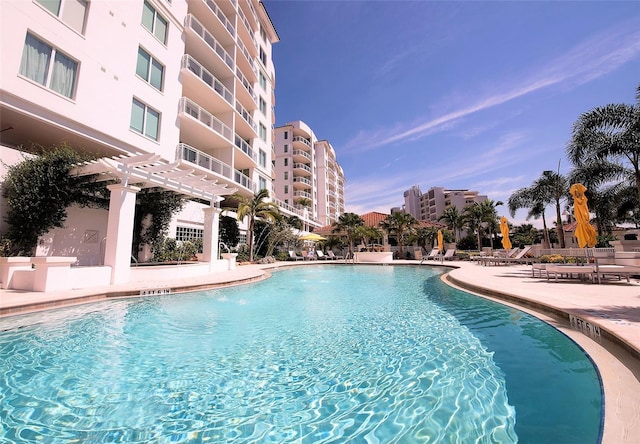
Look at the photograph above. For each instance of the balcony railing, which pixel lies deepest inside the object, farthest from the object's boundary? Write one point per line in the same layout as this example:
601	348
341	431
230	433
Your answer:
247	85
302	194
223	18
301	166
303	140
195	67
209	39
302	153
206	118
244	20
197	157
245	52
246	116
243	146
303	180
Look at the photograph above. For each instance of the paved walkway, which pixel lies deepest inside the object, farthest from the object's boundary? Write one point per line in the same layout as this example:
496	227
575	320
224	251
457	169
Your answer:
603	318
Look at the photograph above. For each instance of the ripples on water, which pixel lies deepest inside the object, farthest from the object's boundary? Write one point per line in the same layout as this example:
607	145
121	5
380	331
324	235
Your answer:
314	354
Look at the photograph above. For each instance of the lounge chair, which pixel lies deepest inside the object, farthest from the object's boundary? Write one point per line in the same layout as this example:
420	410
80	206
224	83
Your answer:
308	255
294	257
331	255
449	255
321	255
500	256
433	254
520	258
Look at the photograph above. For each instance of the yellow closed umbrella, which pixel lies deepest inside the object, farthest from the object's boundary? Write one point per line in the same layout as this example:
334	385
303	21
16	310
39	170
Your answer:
440	241
504	229
584	232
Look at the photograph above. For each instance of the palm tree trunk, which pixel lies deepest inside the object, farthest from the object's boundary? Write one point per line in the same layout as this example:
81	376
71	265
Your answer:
559	225
547	241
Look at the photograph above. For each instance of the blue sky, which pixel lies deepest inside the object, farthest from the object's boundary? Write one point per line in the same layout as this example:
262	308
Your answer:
463	95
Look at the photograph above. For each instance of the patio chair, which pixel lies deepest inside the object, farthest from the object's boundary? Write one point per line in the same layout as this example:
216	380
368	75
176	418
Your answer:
333	256
294	257
433	254
449	255
320	255
308	255
520	258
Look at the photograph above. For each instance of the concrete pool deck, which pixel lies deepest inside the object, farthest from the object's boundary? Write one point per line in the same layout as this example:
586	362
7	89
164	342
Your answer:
604	318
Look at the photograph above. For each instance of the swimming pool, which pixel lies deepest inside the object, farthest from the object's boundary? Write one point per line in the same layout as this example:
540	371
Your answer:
327	353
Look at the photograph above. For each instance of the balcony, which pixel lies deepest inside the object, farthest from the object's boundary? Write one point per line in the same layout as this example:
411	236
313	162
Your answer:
200	128
248	158
303	194
203	83
246	93
225	172
247	119
205	43
301	140
302	168
301	156
301	183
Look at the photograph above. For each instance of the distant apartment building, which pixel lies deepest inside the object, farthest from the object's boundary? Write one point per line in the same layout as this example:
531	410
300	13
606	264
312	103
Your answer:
308	177
430	205
189	81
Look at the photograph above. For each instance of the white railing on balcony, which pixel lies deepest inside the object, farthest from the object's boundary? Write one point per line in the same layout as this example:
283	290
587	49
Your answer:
302	180
246	116
302	153
247	85
301	166
223	18
245	52
196	26
206	118
197	157
303	140
243	146
242	179
302	194
192	65
244	20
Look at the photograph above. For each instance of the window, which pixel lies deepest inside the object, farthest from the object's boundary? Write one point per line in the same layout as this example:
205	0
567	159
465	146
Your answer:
71	12
286	148
145	120
263	132
262	158
286	162
263	56
154	22
262	183
149	69
286	135
286	189
59	76
185	233
286	175
263	81
263	106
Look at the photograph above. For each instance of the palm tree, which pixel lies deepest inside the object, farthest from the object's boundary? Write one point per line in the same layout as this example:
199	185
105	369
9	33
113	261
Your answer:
454	220
256	207
424	235
368	234
401	224
474	216
549	188
490	215
609	133
347	224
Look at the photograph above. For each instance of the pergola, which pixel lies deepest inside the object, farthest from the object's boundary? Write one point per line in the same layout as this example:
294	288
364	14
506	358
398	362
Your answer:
138	171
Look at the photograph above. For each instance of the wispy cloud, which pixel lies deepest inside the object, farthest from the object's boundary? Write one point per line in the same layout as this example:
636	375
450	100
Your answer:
593	58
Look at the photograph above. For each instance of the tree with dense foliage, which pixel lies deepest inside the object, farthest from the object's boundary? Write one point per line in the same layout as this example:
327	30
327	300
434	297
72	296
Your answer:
39	190
474	216
490	216
255	207
424	236
401	225
368	234
347	224
531	198
229	232
610	134
454	219
155	208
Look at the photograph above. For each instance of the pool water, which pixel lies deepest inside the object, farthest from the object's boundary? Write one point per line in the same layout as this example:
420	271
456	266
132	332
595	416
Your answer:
328	353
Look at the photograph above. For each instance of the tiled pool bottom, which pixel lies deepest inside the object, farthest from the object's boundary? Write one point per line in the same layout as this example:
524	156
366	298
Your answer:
314	354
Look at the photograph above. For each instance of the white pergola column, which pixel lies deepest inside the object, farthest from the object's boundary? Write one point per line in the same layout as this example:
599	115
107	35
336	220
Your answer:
211	234
122	206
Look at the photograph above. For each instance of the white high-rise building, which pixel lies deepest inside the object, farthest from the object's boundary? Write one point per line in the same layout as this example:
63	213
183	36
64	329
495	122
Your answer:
309	181
189	81
430	205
